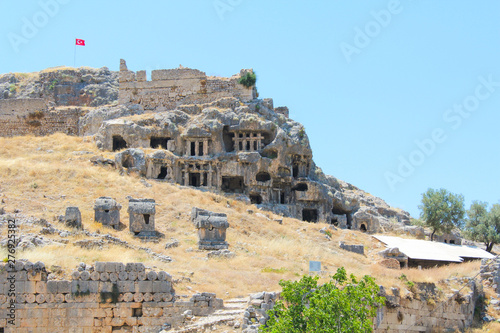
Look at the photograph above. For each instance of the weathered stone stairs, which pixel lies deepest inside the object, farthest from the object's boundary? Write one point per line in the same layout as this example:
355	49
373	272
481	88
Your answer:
231	315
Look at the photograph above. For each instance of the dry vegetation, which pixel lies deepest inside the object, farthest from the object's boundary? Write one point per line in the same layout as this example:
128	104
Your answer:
42	176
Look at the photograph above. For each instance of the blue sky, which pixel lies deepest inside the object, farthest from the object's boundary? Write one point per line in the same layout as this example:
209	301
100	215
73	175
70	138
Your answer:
396	96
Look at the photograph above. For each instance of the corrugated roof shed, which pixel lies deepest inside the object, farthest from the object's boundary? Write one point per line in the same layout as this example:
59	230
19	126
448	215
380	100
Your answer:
426	250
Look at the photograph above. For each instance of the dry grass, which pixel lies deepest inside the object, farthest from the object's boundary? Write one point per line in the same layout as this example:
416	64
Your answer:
43	176
489	327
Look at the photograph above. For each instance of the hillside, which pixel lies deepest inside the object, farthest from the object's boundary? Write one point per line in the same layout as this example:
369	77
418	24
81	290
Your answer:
189	140
42	176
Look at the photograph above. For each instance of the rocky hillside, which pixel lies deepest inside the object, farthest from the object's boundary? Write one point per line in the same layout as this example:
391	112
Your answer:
285	140
63	86
286	147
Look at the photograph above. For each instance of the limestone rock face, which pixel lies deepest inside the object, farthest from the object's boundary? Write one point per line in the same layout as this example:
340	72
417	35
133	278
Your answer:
63	86
89	123
245	150
131	159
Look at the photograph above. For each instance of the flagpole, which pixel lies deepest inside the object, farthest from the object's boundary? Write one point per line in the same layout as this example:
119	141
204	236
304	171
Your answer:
74	59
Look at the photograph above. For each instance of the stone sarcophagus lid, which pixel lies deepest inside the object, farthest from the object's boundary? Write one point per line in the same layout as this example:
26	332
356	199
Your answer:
107	212
211	229
142	218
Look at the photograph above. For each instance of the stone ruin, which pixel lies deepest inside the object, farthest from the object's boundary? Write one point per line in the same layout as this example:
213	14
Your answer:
211	229
107	212
207	132
213	134
142	218
105	297
359	249
73	218
393	258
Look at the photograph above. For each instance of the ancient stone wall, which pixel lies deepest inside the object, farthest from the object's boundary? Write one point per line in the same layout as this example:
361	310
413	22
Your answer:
107	297
169	88
31	116
425	314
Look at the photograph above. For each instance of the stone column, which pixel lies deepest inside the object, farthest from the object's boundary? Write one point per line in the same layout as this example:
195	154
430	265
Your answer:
196	146
186	176
205	147
259	142
188	148
210	172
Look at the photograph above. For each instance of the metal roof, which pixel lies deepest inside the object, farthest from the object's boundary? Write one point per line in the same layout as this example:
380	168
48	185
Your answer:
426	250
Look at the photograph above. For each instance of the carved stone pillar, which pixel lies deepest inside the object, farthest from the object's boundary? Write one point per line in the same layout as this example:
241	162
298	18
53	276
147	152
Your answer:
205	147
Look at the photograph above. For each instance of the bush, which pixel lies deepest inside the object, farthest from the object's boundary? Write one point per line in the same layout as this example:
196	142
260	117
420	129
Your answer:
248	80
344	304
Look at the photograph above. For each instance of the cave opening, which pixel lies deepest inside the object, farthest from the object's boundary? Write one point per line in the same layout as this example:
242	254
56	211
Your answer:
119	143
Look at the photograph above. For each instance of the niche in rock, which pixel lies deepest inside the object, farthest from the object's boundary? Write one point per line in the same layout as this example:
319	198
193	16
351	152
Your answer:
233	184
119	143
263	177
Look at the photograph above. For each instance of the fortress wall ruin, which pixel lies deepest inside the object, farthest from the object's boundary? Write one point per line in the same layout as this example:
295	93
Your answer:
32	116
406	314
113	297
169	88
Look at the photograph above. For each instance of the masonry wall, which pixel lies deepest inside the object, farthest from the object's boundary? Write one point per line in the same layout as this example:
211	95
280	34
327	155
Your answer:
169	88
31	116
110	297
421	315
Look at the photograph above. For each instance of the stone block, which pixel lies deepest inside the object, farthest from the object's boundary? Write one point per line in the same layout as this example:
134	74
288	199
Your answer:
19	285
100	266
130	267
139	267
106	287
80	287
122	312
22	276
73	217
29	287
126	286
161	286
145	286
63	286
120	267
93	286
110	267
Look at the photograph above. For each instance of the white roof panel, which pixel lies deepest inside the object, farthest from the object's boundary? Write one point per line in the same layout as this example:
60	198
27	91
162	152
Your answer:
426	250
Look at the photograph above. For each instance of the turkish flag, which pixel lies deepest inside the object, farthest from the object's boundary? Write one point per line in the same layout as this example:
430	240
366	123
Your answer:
80	42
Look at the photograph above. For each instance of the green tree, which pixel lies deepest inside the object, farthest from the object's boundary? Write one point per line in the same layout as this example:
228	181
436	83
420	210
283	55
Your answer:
483	225
442	211
343	304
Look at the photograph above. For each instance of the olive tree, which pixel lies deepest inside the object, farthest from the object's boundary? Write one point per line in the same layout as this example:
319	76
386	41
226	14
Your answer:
442	211
483	225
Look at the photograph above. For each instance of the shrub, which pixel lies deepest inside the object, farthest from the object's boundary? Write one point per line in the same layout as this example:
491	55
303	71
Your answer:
248	80
344	304
53	84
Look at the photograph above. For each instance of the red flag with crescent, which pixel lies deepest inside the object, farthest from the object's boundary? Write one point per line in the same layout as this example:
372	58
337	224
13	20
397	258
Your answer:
80	42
